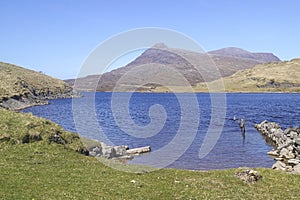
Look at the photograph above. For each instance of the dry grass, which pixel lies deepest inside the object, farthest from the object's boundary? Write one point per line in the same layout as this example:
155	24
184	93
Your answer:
269	77
17	81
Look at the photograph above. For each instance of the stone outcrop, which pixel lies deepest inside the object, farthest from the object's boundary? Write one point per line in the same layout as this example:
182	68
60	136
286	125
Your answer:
286	144
122	152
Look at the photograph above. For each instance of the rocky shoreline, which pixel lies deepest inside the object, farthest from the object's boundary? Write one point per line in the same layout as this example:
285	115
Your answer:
116	152
19	102
286	144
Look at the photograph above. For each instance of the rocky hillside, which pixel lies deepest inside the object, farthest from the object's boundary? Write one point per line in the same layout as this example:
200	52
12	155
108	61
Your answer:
21	87
268	77
157	64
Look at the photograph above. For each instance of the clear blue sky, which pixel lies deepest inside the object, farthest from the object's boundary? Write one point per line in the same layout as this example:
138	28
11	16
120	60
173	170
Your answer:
55	36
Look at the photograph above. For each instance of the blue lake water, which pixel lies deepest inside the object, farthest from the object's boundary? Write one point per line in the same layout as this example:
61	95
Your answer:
177	129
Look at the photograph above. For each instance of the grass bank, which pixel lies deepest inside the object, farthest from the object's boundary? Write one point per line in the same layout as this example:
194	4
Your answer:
36	171
39	169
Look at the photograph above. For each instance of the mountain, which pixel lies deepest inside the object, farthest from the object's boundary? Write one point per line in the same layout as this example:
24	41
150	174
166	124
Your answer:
267	77
240	53
161	66
20	87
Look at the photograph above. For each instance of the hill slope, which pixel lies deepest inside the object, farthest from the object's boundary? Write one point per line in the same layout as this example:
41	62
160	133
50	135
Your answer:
160	64
21	87
268	77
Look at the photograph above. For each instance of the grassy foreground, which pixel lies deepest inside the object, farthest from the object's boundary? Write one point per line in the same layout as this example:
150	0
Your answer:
43	170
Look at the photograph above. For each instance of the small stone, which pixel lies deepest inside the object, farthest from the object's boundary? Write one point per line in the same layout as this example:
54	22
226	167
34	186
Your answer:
97	150
297	141
278	159
284	152
279	166
293	134
273	153
293	161
297	169
92	153
289	168
133	181
291	155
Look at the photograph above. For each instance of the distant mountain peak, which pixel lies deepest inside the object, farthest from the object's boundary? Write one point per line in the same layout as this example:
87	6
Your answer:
160	45
231	50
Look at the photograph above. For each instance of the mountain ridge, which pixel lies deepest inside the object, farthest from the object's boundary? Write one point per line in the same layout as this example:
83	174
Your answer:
160	61
238	52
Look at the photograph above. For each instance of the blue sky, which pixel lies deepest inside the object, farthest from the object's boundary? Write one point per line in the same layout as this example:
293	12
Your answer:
56	36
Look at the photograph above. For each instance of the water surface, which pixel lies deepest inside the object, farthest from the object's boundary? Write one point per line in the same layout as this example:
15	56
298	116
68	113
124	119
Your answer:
231	150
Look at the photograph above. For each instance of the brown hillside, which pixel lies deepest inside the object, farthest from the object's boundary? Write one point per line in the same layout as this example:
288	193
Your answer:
161	65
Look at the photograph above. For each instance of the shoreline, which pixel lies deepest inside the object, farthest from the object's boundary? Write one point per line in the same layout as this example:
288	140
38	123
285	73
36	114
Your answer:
44	103
202	92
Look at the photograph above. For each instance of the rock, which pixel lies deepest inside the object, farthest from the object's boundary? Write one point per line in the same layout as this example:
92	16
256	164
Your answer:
92	153
273	153
293	134
297	141
278	159
120	151
293	161
284	153
291	155
279	165
287	145
248	175
97	151
289	168
108	152
297	169
140	150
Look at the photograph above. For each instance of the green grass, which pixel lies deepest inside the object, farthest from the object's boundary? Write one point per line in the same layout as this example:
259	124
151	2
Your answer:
18	128
37	169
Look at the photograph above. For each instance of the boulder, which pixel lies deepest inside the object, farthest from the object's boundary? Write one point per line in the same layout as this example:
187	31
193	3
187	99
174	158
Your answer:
279	165
97	151
108	152
120	151
273	153
293	161
297	141
284	153
297	169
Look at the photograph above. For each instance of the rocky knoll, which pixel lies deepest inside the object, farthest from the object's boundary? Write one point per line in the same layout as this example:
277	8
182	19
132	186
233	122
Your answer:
20	87
287	145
